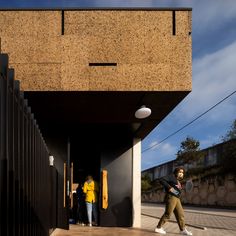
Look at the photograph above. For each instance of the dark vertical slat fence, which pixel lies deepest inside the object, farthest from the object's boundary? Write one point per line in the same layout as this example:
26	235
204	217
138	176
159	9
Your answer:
17	155
26	180
3	144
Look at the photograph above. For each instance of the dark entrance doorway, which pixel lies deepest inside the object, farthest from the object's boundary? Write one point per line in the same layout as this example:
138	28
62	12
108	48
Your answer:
86	159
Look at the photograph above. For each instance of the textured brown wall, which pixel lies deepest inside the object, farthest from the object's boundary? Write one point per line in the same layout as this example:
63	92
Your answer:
148	56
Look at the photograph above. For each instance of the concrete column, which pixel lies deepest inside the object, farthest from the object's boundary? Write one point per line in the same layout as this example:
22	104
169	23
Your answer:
136	194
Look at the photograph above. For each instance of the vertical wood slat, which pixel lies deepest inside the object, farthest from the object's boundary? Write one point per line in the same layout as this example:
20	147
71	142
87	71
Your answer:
71	184
7	154
26	211
33	176
10	150
64	187
21	165
17	154
29	170
3	157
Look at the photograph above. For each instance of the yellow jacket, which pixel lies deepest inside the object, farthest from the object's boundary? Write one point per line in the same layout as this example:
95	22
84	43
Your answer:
90	189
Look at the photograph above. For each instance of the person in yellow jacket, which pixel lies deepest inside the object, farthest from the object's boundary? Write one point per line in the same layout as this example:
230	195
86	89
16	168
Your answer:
91	198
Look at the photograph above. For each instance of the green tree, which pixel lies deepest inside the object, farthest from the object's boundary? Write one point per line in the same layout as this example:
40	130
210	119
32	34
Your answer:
146	183
231	134
228	157
189	151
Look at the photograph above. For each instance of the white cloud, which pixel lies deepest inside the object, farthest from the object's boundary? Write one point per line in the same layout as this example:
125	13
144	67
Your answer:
212	14
213	79
153	145
163	148
167	149
158	154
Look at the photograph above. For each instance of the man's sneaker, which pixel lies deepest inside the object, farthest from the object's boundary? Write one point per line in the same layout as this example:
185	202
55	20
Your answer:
186	232
160	230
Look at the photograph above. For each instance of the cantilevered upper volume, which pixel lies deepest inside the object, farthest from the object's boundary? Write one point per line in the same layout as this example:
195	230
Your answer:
95	60
99	50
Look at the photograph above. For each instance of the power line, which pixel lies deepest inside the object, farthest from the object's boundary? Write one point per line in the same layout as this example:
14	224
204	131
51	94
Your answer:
178	130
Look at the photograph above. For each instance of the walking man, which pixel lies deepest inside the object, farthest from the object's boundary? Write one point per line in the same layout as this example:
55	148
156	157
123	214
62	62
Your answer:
173	188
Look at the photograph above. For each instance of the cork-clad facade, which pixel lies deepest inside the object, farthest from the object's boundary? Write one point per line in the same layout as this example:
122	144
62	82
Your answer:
49	53
84	73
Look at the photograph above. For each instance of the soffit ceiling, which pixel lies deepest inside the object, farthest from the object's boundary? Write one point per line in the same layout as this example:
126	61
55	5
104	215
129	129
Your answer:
103	113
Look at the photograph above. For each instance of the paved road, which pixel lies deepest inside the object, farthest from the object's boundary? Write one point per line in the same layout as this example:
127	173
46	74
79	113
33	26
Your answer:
218	222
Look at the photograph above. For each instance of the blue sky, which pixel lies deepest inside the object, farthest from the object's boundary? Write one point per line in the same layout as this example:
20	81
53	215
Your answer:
214	77
91	3
214	72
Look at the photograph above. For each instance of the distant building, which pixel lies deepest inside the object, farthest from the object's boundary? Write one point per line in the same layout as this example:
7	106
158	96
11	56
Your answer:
210	179
212	156
159	171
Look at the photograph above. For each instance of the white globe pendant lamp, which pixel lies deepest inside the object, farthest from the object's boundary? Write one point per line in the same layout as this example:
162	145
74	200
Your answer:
143	112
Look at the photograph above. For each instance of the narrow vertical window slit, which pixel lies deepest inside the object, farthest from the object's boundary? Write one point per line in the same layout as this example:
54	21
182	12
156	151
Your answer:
173	23
62	22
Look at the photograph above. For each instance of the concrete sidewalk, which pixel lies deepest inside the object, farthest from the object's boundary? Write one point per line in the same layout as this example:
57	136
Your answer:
218	222
201	221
